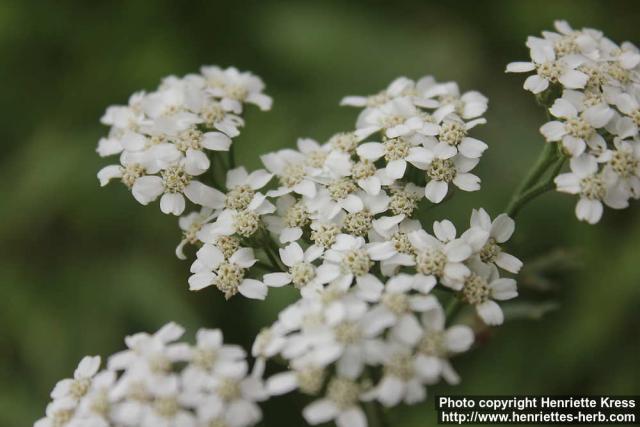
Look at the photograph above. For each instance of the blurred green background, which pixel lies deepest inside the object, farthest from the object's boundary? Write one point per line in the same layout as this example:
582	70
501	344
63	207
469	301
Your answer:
83	266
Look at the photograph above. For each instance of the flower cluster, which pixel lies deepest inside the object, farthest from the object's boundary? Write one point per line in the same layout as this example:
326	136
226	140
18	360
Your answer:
357	335
165	138
158	382
591	87
349	185
341	222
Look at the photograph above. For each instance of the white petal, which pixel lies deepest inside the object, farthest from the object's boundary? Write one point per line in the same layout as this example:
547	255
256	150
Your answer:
472	148
353	417
196	162
563	109
201	280
502	228
553	131
390	391
536	84
467	182
282	383
108	173
491	313
598	115
259	179
211	256
370	150
589	210
320	411
503	289
216	141
87	367
435	191
508	262
444	230
276	280
407	330
147	188
573	79
458	338
244	257
254	289
204	195
395	169
291	254
520	67
172	203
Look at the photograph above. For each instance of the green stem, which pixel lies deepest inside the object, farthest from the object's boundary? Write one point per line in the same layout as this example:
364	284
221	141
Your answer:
545	158
453	308
375	415
232	158
271	252
533	191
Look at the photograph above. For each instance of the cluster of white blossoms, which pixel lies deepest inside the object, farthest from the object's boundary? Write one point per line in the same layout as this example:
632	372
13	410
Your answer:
591	87
411	142
165	139
158	382
371	325
340	222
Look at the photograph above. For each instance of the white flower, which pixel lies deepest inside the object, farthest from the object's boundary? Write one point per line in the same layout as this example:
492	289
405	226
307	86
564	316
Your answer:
445	169
125	117
233	398
401	381
442	256
437	344
485	238
290	217
350	258
397	117
289	166
447	100
190	225
395	229
624	163
173	184
482	287
59	412
337	196
161	383
453	139
150	352
235	87
340	404
342	335
401	86
302	272
307	379
578	128
593	187
397	306
133	165
397	152
360	223
209	358
211	268
549	68
77	387
239	217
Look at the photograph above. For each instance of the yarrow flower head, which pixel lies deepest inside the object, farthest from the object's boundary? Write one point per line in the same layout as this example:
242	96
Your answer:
338	219
164	137
160	382
589	85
